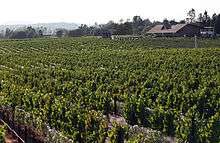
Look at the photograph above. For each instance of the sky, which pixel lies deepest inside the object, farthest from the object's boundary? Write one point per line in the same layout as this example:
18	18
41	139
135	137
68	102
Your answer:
100	11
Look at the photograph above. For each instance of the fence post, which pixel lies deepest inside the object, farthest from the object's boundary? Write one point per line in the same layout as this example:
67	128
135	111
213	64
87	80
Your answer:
196	44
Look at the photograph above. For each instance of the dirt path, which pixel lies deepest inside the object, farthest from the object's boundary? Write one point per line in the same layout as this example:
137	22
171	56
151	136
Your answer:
117	119
10	137
22	132
121	121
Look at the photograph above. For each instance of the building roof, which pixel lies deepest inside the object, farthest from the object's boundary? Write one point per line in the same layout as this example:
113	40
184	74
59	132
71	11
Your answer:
162	29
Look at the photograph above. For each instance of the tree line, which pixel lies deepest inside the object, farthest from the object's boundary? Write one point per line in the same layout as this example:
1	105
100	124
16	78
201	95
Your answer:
136	26
26	32
139	26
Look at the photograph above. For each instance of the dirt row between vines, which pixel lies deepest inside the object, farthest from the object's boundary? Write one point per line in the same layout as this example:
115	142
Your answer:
9	137
16	130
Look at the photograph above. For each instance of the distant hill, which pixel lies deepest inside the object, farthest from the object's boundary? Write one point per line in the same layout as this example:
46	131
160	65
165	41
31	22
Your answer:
51	27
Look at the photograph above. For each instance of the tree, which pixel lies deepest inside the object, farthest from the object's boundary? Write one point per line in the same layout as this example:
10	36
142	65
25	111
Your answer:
40	33
147	26
60	33
30	32
111	26
217	25
213	19
137	20
182	22
127	28
19	35
205	16
200	18
167	24
2	34
206	19
191	16
75	33
8	33
118	28
85	29
137	25
173	22
95	31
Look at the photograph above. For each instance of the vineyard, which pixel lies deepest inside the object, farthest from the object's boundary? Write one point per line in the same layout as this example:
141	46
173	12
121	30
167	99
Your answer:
75	85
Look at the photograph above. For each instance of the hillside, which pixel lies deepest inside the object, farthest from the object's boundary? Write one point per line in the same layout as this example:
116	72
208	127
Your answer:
50	26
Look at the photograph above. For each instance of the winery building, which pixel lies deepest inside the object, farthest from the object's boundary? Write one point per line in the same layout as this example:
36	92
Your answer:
175	30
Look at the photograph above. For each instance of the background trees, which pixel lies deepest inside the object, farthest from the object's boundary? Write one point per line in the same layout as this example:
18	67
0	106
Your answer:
191	16
139	26
60	33
136	26
28	32
217	25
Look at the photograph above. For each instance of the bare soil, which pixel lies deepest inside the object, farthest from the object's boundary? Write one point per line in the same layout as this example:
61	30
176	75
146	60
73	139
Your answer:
25	132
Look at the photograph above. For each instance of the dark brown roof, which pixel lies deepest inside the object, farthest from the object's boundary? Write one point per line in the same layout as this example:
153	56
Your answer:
161	29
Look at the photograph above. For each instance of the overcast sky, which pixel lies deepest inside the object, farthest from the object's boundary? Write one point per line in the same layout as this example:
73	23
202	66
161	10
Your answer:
101	11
